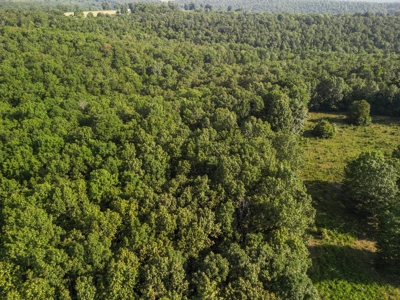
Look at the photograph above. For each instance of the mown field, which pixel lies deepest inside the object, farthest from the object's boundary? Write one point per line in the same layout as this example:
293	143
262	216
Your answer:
342	248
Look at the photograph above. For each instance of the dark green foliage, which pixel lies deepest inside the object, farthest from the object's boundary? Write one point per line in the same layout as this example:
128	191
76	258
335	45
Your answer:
105	6
155	154
396	153
274	6
324	129
371	182
359	113
331	92
298	6
333	59
279	113
137	166
371	185
388	241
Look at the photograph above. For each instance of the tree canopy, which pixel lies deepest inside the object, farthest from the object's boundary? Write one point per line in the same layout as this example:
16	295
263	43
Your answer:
156	154
372	188
133	166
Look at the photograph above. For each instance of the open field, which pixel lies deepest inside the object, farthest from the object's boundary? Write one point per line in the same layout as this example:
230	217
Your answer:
94	12
326	158
342	248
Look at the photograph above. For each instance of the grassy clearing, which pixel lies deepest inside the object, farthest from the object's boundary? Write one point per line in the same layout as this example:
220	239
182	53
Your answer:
326	158
342	248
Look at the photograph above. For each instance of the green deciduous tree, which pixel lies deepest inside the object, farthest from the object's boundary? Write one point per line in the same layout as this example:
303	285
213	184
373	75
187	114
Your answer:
359	113
105	6
330	92
388	241
371	182
279	114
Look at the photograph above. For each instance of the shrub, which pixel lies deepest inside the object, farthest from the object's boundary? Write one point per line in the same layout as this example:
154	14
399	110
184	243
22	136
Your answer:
359	113
324	129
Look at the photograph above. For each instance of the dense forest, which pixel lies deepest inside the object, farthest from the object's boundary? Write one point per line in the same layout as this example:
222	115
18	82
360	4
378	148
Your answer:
155	155
296	6
289	6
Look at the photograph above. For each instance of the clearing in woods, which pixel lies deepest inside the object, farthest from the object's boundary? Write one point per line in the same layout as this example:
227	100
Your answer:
342	247
94	12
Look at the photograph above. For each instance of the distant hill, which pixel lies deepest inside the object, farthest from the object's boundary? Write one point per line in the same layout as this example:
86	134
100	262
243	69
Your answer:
302	6
290	6
376	1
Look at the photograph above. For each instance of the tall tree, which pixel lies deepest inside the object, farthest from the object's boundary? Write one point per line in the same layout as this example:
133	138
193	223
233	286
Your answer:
371	183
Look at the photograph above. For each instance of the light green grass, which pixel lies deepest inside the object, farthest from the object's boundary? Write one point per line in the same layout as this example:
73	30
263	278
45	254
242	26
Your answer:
325	158
342	249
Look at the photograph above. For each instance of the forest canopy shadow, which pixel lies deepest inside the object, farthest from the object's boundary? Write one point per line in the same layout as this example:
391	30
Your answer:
332	117
308	134
326	200
331	213
385	120
333	262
